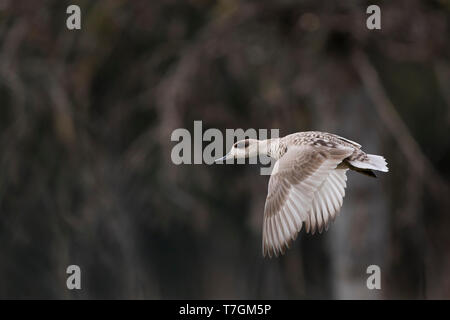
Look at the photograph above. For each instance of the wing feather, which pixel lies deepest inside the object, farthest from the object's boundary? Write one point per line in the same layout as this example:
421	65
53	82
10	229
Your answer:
303	188
328	199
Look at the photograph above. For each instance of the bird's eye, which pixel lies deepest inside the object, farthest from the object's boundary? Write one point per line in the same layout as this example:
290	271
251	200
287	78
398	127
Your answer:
242	144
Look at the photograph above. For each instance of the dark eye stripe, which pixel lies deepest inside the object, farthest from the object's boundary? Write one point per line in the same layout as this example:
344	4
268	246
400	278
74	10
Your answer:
243	144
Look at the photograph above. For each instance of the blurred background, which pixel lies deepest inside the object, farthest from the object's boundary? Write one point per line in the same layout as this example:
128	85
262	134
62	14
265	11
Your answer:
85	124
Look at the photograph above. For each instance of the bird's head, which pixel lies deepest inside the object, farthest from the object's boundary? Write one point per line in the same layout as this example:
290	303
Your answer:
246	148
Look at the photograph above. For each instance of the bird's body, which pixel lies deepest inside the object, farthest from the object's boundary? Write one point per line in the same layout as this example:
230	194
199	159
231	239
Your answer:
308	181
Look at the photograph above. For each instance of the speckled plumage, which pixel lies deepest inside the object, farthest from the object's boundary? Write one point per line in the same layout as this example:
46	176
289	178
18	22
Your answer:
315	138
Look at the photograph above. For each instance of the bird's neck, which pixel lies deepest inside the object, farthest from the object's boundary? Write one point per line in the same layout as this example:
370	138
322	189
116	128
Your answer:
269	147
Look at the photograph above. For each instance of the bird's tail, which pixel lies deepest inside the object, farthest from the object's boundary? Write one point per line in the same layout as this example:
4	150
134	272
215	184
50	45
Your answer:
373	163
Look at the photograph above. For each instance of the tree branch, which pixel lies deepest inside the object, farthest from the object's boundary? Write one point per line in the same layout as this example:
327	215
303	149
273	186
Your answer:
418	161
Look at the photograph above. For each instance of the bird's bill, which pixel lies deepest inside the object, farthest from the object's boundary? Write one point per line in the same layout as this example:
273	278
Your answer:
224	158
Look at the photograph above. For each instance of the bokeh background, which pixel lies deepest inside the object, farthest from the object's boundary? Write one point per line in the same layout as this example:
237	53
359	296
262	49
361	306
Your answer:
85	124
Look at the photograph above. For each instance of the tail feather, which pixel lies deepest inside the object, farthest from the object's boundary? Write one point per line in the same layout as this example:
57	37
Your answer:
374	163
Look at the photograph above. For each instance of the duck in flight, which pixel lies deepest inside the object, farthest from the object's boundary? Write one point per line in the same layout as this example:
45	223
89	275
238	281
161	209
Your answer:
307	184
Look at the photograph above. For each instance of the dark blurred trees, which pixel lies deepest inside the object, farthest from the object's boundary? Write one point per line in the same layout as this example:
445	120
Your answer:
85	124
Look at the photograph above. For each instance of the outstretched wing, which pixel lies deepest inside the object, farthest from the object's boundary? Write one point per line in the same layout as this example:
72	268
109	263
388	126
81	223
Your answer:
304	188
